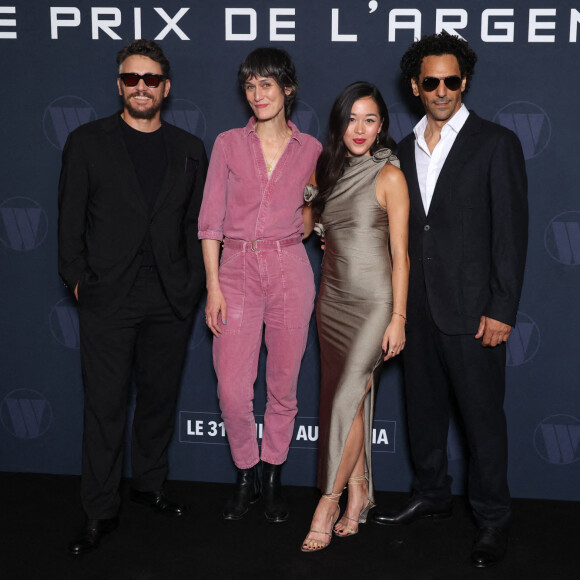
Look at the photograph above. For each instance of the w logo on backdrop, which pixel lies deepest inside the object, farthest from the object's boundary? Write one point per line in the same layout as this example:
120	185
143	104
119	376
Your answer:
305	118
64	115
524	341
23	224
562	238
26	414
187	116
557	439
64	323
401	121
530	123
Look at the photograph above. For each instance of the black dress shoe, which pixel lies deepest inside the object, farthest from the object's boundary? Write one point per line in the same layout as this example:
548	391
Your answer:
158	501
275	508
246	492
489	547
91	535
415	509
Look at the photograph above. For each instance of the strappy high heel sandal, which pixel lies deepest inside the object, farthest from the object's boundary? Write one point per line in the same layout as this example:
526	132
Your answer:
362	517
333	497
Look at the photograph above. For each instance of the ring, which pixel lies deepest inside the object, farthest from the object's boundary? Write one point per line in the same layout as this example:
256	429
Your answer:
392	351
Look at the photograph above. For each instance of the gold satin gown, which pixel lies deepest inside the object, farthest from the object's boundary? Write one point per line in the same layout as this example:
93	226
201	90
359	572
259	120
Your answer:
355	306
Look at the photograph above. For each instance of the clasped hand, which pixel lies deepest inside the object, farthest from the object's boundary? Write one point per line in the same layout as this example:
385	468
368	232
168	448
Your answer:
492	331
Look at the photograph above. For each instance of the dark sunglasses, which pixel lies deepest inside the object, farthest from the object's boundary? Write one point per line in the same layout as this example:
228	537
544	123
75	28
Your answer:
431	83
150	79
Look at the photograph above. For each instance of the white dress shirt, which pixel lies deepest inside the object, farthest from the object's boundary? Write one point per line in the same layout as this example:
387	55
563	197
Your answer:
429	164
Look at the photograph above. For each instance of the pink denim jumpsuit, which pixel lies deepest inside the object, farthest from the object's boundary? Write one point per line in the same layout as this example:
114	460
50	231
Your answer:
267	282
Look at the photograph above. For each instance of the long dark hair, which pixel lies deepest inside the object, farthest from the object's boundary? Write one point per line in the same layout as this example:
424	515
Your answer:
274	63
330	164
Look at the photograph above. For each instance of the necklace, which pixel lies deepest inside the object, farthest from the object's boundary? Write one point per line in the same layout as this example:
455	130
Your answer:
269	164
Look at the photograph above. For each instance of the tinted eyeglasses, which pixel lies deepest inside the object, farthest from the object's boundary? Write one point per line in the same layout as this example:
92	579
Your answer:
429	84
150	79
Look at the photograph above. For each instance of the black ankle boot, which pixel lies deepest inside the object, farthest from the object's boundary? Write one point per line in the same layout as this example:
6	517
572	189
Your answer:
275	507
246	492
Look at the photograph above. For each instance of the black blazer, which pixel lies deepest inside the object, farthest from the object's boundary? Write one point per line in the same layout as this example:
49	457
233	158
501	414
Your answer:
104	217
468	254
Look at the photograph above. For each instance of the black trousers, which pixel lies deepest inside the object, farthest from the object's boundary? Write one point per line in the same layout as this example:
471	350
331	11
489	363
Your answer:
438	366
144	339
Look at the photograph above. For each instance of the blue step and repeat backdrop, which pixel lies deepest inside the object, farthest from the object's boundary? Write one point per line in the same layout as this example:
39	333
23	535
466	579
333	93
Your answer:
58	63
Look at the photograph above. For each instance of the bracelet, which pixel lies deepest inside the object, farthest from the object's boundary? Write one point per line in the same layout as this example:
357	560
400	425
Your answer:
401	315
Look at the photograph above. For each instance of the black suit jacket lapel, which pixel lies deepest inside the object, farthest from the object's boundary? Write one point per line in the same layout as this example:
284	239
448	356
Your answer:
174	159
122	164
464	147
407	159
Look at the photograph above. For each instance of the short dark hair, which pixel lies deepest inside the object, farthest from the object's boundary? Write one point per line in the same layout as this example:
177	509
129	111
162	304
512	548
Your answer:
146	48
330	165
438	45
274	63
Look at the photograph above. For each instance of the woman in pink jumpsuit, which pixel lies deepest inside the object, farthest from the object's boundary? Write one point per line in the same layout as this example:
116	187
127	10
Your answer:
252	205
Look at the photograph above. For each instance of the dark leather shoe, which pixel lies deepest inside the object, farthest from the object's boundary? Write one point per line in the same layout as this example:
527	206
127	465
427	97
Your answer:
157	501
246	492
489	547
275	508
415	509
91	535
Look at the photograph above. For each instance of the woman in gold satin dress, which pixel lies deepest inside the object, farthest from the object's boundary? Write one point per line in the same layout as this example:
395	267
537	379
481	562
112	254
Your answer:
360	197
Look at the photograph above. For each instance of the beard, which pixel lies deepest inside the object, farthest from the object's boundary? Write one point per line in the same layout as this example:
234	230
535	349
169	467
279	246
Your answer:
148	113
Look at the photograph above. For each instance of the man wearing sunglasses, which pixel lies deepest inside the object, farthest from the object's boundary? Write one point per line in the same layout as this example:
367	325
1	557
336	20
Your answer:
129	196
467	245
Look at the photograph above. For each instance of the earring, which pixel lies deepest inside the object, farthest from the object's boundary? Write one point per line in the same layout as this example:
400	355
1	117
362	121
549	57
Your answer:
377	139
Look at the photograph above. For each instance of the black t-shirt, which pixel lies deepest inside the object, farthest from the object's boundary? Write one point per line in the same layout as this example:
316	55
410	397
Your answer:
149	156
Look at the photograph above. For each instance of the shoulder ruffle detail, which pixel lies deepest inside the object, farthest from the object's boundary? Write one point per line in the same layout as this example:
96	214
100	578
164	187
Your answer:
310	192
386	155
319	229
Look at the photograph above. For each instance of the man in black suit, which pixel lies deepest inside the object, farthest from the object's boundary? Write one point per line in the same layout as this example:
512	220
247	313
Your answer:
129	196
467	245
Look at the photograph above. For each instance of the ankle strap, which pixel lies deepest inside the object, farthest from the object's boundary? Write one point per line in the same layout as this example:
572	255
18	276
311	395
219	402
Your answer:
332	496
358	480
